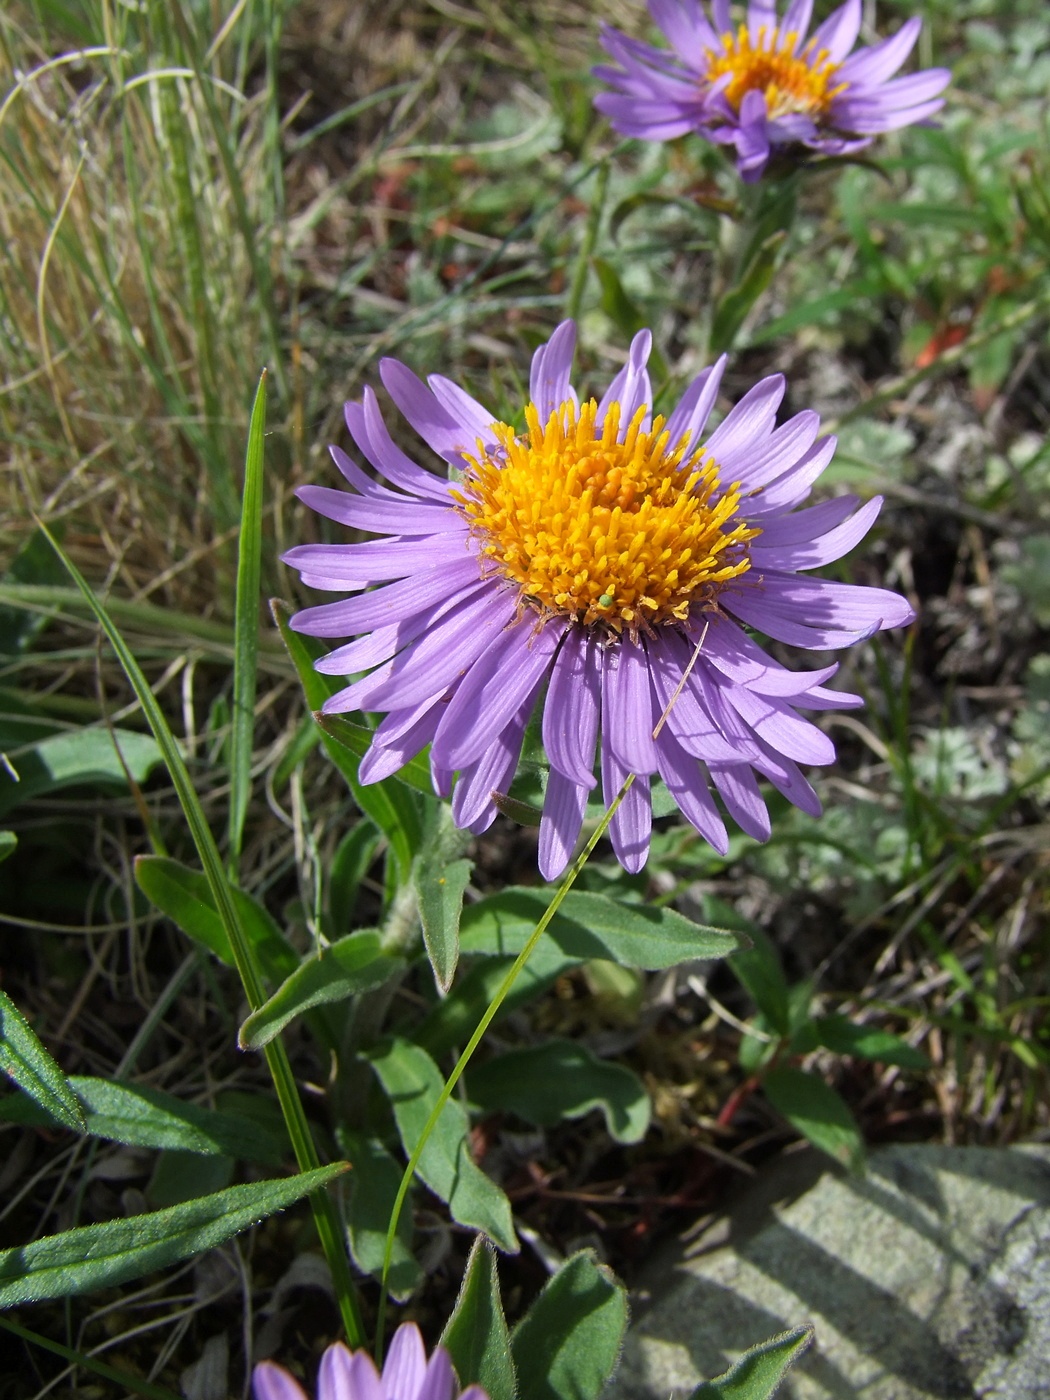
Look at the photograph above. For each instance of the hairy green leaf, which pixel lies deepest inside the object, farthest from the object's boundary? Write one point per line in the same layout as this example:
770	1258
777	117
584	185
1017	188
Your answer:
567	1344
354	964
413	1083
476	1336
24	1059
592	926
94	1257
375	1177
87	756
756	1375
562	1079
817	1112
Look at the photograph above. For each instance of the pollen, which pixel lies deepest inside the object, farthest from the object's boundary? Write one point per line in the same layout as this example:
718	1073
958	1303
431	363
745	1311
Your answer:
624	535
802	82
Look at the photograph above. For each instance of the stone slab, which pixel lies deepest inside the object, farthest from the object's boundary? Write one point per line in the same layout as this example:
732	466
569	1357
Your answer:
927	1279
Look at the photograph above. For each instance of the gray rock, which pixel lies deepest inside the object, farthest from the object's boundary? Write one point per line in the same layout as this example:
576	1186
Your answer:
927	1279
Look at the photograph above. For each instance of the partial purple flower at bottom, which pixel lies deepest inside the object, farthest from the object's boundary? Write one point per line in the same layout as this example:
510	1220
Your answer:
352	1375
764	87
609	561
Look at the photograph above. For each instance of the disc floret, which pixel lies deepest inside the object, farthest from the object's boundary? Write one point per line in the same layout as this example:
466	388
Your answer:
791	82
627	534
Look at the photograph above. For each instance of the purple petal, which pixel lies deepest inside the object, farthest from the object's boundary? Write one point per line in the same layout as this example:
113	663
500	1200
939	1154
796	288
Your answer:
549	385
813	554
387	604
839	31
843	611
474	418
439	1383
570	712
801	526
564	805
375	561
387	517
394	751
627	707
405	1364
644	121
761	14
368	430
630	827
685	782
776	723
757	464
722	17
687	719
419	407
381	644
684	24
752	418
794	485
881	61
796	20
336	1374
694	407
492	690
428	668
786	778
873	120
631	388
273	1382
739	791
362	482
820	698
472	804
359	1381
738	657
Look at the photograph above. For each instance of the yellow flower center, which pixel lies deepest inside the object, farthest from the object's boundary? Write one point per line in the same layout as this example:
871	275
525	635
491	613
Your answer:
792	82
627	534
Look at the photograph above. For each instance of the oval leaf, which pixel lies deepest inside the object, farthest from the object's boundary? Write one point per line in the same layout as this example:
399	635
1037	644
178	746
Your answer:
476	1336
99	1256
567	1344
413	1082
374	1181
760	1370
562	1079
593	926
818	1113
353	964
24	1059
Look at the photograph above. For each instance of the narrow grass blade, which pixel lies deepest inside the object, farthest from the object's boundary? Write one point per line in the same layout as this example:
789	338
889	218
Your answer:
134	1385
24	1059
246	628
325	1217
93	1257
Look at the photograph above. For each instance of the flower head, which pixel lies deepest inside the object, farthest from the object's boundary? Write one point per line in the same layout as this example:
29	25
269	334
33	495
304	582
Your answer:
352	1375
764	86
609	561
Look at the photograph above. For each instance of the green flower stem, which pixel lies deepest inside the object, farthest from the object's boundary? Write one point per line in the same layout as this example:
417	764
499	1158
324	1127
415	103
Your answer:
482	1026
590	239
326	1218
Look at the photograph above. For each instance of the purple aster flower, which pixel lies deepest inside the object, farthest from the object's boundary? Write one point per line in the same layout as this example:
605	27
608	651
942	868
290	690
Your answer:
352	1375
764	86
610	562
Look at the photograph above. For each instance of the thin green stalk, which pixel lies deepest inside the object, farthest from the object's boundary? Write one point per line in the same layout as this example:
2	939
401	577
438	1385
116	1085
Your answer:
472	1044
326	1218
246	629
590	239
125	1379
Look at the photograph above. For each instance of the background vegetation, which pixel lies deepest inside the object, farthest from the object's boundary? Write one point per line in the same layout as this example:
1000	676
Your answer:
191	192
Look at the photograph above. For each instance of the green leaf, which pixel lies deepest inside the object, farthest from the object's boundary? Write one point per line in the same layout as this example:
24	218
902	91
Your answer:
476	1336
756	1375
24	1059
34	563
734	307
374	1180
394	810
146	1117
759	971
246	626
350	864
562	1079
818	1113
567	1344
622	311
844	1037
354	964
452	1021
185	895
440	881
413	1082
8	844
94	1257
78	756
593	926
